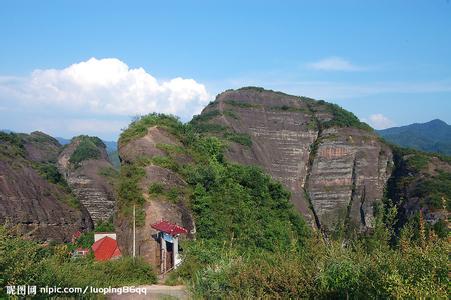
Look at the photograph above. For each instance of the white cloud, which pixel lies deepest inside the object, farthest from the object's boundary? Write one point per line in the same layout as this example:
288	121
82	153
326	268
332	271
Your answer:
105	86
379	121
334	64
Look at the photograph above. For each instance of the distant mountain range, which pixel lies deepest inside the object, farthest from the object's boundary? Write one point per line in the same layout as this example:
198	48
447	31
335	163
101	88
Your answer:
433	136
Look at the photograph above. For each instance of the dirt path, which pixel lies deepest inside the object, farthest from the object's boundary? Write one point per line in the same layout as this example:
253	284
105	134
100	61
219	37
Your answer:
156	291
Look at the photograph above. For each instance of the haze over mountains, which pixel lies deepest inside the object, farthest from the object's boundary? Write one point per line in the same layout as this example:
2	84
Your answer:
433	136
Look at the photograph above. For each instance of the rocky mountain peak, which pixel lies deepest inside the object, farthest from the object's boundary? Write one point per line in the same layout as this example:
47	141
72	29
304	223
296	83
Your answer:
85	165
333	164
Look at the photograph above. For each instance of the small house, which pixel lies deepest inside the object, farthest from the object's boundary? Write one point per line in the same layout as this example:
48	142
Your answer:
105	247
168	237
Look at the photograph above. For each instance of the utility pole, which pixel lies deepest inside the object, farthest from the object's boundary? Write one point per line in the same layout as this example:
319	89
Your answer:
134	232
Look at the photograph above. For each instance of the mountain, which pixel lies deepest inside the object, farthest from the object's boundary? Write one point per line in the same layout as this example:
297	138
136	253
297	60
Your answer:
336	168
33	195
433	136
85	165
334	165
111	146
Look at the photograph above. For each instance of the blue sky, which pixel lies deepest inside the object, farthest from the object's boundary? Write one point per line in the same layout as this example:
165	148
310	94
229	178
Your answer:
72	67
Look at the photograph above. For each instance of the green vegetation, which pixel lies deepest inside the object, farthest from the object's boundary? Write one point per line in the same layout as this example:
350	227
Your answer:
436	190
343	118
11	146
129	193
210	127
109	172
140	125
171	149
51	173
166	162
173	194
206	116
156	188
251	243
231	113
240	138
241	104
88	148
288	108
369	267
24	262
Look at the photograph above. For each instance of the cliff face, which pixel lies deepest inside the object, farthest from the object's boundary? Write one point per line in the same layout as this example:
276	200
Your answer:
335	167
349	172
32	199
85	165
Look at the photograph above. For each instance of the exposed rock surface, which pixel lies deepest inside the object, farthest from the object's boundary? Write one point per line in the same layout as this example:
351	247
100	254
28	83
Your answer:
36	207
90	180
156	207
349	172
335	174
41	147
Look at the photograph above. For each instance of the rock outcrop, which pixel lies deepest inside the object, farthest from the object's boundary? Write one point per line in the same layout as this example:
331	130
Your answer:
335	171
32	200
156	207
85	165
41	147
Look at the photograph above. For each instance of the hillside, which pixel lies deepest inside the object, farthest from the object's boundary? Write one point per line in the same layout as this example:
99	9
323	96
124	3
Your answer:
282	197
336	168
34	197
326	167
433	136
85	165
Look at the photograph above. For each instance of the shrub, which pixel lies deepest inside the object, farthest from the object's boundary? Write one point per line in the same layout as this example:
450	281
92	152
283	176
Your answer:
156	188
343	118
140	125
23	262
240	138
88	148
50	172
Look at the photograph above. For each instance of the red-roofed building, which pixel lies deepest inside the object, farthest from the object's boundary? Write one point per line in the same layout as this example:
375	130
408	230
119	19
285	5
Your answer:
106	249
168	234
169	228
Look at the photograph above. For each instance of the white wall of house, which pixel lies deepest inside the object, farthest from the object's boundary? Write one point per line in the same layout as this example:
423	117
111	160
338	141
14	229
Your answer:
101	235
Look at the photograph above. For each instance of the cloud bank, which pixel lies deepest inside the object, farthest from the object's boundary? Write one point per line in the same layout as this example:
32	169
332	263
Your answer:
105	87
